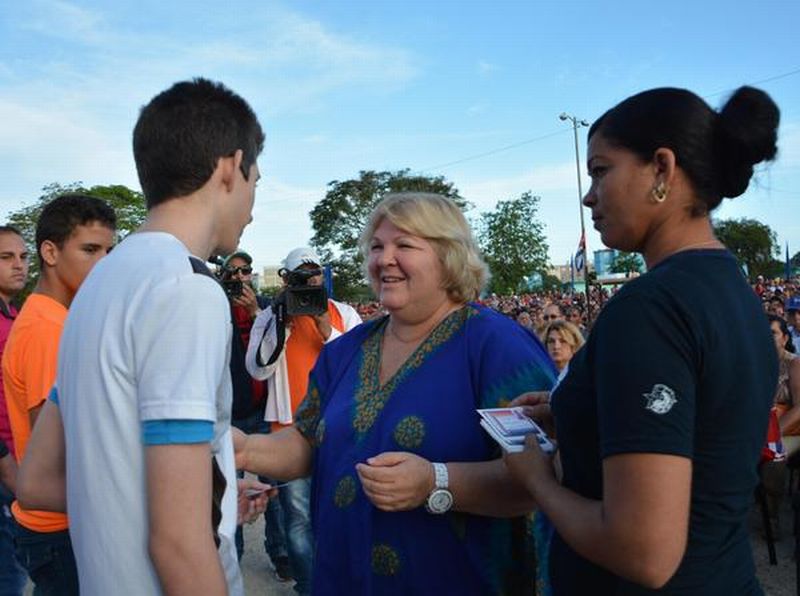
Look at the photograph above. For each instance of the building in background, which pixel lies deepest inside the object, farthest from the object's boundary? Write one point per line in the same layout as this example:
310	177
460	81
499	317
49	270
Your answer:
604	260
269	278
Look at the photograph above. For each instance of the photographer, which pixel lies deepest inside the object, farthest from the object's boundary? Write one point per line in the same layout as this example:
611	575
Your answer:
249	394
285	366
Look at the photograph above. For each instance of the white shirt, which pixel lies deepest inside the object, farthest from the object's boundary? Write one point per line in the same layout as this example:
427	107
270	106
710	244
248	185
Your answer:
146	339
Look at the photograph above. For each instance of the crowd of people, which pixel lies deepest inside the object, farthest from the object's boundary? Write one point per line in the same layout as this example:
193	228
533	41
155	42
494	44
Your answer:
152	406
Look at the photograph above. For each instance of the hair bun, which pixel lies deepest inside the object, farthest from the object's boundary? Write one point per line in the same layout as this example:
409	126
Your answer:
746	134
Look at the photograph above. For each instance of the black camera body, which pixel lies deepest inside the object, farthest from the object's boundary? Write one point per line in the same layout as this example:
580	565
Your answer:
299	298
233	287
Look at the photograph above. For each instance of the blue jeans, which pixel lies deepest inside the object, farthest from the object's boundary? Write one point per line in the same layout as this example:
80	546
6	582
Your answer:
274	541
295	502
12	576
48	558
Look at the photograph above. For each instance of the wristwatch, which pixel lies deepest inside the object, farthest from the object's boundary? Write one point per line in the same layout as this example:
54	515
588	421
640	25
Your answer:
441	499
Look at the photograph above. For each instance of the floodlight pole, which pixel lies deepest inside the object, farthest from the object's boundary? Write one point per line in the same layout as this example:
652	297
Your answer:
576	124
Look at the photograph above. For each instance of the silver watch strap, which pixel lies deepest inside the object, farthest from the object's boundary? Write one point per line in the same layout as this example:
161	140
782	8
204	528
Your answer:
440	475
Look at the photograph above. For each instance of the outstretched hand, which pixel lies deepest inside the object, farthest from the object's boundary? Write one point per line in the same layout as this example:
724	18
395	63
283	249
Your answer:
253	497
239	448
396	481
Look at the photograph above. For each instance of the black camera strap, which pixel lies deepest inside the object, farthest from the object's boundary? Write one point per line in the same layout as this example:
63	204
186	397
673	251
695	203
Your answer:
279	310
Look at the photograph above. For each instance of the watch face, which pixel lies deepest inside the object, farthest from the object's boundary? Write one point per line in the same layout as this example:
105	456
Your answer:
440	501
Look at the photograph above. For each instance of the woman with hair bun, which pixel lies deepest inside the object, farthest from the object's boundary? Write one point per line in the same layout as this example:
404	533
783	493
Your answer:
662	415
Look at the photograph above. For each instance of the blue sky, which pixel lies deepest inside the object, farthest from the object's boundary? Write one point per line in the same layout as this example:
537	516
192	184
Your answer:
442	87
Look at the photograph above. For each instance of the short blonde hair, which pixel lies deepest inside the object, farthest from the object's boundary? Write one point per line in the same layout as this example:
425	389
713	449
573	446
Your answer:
438	220
569	332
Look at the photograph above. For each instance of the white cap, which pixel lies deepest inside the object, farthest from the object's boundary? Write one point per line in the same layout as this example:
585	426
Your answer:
301	256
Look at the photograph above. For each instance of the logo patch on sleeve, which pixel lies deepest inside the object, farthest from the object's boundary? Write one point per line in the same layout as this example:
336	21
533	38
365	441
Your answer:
660	399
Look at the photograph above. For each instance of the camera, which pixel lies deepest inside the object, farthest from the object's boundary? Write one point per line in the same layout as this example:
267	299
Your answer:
233	287
299	298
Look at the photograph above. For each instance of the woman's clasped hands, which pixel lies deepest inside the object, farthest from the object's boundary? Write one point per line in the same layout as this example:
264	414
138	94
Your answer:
396	480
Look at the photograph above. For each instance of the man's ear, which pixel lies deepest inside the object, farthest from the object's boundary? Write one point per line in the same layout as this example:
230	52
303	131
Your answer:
49	252
229	167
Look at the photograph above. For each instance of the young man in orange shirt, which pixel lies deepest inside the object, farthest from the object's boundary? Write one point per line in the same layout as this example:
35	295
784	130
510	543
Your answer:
72	234
13	276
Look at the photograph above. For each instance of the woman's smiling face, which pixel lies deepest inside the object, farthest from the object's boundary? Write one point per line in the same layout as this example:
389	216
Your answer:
404	269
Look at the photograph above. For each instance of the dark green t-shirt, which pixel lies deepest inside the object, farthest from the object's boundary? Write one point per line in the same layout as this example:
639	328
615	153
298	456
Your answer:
681	361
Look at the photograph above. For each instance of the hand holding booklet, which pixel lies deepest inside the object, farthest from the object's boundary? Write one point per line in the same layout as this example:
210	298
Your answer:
510	426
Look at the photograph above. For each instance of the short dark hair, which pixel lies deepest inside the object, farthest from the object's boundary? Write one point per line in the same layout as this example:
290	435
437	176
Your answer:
789	345
557	305
10	230
716	150
62	215
182	133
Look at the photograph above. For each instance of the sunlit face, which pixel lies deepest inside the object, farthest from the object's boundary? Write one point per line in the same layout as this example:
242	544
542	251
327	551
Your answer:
240	269
524	319
13	264
561	352
778	336
404	270
81	251
620	195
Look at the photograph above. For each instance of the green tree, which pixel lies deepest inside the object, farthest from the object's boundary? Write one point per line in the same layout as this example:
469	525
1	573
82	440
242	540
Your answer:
513	243
341	215
551	282
753	243
626	262
128	204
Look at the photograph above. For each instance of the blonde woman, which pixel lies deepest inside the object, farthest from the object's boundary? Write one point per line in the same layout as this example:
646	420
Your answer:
404	478
562	339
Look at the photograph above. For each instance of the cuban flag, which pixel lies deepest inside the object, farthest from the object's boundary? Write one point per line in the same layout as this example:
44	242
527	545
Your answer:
580	256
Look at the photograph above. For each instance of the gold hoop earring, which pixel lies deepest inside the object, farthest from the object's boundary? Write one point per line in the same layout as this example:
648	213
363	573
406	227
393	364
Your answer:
659	193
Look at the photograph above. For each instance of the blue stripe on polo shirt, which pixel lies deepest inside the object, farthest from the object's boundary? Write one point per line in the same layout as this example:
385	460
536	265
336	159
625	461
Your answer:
53	395
174	432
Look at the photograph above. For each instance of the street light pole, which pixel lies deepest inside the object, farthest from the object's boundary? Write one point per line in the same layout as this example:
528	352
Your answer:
576	124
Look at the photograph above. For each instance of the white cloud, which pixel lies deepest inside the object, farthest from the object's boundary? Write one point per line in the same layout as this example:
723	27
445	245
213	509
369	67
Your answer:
556	184
67	116
280	221
46	146
66	20
485	68
290	61
541	179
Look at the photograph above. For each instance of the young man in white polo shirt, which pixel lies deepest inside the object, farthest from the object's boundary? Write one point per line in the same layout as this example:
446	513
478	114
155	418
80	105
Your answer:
143	387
